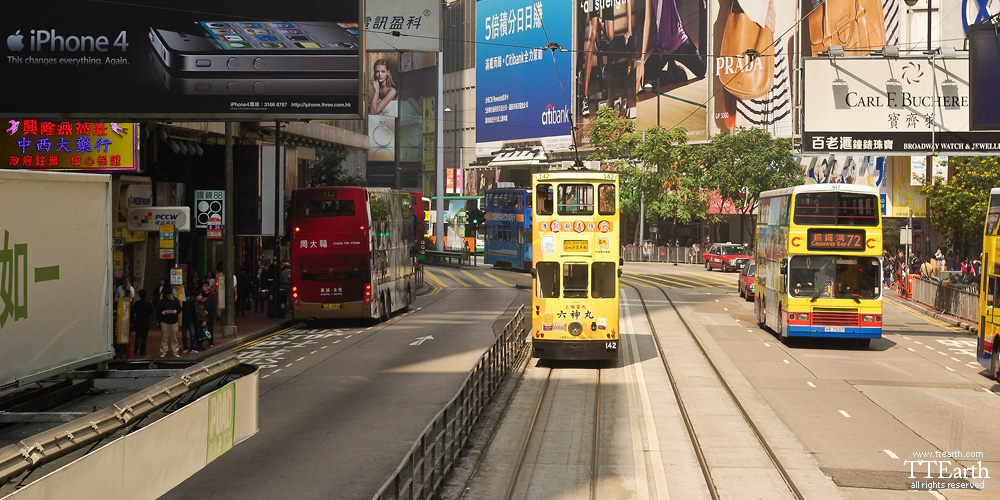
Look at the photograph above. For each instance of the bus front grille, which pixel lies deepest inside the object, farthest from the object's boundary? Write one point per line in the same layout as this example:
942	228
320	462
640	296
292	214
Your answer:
835	317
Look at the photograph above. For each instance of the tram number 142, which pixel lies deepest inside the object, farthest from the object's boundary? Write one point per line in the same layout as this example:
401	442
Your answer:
611	346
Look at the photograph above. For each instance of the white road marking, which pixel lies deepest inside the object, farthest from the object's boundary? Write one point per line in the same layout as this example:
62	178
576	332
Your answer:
911	349
810	384
766	344
300	359
937	495
950	368
918	342
751	331
725	308
324	347
929	347
956	360
891	454
786	361
314	352
941	353
987	389
907	338
265	376
276	370
844	413
289	364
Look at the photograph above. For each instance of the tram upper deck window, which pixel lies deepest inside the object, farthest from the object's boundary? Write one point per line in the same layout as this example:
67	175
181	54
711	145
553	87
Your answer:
575	281
548	280
576	199
602	280
836	208
544	195
607	199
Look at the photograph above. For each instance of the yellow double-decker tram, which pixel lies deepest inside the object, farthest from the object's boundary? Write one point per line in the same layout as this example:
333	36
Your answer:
575	251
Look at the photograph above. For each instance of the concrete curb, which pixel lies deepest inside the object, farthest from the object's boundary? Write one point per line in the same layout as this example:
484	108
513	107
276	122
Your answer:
229	343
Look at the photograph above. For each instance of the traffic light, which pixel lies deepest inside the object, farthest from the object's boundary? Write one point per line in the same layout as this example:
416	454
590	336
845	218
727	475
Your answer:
474	218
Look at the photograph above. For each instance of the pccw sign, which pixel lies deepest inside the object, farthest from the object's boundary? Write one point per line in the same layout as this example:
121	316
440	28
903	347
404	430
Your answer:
151	218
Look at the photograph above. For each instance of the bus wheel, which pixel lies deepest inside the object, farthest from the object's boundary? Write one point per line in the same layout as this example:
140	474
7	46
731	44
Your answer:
862	343
782	329
409	297
385	309
995	363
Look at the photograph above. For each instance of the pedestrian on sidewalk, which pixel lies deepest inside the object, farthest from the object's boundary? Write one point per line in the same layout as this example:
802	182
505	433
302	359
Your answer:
209	301
260	292
169	307
199	324
142	314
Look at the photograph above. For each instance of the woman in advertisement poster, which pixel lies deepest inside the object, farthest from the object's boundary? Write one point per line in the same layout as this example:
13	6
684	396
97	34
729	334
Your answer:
602	37
669	45
384	97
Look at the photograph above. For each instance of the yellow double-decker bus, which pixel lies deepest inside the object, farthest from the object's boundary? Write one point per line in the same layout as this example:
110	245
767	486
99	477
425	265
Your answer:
988	343
819	262
575	251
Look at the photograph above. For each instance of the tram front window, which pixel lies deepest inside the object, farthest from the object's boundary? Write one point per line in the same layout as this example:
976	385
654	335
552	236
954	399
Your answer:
548	280
575	281
835	277
602	280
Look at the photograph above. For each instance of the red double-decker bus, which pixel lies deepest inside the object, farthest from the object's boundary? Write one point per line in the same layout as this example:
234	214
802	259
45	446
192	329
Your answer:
351	252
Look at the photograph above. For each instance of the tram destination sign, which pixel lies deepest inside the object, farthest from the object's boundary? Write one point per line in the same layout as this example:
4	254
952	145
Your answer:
836	239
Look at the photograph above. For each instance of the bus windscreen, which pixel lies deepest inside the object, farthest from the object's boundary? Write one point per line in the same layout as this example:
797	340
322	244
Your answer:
829	276
836	209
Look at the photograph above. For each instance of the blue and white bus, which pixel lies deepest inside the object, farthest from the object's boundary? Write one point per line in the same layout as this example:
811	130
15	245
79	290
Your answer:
507	223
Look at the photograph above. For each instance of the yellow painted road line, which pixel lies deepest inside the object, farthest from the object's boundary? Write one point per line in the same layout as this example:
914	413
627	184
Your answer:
498	279
930	319
647	278
434	279
262	339
670	281
719	278
477	280
452	276
635	282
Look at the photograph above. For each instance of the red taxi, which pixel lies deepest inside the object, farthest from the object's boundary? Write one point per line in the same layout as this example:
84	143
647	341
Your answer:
726	257
746	282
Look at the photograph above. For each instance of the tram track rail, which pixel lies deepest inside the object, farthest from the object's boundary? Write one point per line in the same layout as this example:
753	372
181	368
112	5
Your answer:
699	450
531	435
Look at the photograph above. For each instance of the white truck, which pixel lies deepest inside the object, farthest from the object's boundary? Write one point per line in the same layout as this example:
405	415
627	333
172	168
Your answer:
55	274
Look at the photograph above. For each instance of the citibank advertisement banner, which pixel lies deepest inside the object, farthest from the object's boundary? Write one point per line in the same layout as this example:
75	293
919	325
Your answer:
523	91
176	59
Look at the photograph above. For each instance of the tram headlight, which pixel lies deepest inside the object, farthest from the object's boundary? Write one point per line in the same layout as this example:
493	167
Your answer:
575	328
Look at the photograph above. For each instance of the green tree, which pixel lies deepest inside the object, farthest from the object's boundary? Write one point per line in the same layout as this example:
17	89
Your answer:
958	208
742	165
656	168
328	170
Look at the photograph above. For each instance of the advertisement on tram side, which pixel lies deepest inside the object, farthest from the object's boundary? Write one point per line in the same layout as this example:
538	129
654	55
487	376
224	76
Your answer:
55	295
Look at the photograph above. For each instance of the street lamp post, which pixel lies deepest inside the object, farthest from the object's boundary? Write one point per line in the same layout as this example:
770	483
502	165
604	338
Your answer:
928	162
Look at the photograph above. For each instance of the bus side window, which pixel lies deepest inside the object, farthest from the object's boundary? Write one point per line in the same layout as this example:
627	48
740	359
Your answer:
602	280
991	290
548	280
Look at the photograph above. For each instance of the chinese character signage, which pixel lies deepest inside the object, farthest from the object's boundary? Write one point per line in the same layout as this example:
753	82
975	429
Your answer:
34	144
167	241
411	25
175	59
523	91
852	240
900	105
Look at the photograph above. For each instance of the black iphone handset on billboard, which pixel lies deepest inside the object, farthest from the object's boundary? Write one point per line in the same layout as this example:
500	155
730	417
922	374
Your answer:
260	46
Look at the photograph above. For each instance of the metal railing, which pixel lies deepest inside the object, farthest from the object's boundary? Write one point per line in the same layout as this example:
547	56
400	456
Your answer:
958	301
680	255
433	454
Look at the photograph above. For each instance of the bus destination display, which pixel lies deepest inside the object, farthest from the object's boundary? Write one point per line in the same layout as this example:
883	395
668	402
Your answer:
836	239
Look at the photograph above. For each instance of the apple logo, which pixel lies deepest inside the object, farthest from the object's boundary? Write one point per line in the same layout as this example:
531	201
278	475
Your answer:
15	42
